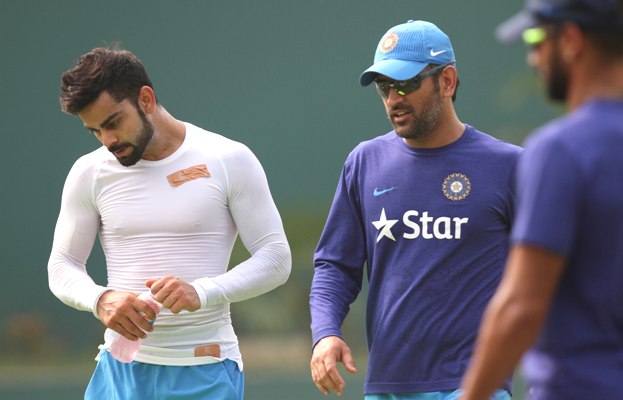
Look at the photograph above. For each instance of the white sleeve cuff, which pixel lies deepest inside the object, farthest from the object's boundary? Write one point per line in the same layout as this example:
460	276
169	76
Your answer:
204	287
97	299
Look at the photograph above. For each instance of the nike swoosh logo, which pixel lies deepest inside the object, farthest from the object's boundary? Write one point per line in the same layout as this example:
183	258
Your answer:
436	53
378	192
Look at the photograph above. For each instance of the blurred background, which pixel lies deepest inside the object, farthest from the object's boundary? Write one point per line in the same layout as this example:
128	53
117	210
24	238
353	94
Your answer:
280	76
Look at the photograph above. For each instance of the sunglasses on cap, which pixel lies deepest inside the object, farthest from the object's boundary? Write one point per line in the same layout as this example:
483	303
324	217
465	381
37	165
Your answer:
534	37
403	88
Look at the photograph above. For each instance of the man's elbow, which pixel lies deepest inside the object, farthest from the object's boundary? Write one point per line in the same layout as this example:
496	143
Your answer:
284	262
523	317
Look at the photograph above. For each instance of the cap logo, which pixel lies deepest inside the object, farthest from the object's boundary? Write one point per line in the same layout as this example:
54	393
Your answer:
389	42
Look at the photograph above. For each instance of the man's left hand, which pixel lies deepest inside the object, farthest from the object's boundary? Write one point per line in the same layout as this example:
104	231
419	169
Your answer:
174	294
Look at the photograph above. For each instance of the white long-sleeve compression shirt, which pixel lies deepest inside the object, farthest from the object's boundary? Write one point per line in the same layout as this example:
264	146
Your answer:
177	216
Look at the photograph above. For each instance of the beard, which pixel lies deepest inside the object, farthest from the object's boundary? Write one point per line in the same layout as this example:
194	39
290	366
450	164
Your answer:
146	132
558	80
424	123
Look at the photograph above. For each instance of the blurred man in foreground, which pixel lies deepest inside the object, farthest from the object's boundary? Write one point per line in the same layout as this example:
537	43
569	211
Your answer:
562	291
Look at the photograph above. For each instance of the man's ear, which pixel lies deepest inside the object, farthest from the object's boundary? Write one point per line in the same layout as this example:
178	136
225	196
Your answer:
571	41
449	79
147	100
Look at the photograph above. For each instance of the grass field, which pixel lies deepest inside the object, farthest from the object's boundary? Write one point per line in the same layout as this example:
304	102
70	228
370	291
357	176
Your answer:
273	370
67	381
284	385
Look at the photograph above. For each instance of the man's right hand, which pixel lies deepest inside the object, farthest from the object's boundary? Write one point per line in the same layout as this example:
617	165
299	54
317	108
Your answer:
327	353
125	313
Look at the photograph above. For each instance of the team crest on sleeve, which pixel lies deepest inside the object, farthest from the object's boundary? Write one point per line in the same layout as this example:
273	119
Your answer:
456	187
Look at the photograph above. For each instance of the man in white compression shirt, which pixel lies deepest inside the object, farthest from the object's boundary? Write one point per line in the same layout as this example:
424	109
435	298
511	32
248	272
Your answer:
167	200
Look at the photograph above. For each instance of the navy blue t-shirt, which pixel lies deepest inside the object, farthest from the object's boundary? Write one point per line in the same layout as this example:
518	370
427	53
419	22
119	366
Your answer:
433	226
570	201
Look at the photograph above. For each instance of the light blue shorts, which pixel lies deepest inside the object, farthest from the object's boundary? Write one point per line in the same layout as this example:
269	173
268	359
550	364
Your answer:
113	380
446	395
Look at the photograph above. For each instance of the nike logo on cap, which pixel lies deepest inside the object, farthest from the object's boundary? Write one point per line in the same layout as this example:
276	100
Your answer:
436	53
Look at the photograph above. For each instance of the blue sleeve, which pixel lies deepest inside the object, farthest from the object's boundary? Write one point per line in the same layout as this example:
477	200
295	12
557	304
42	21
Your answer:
548	188
338	261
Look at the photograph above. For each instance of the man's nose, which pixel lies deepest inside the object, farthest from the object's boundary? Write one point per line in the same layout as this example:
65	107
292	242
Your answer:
108	138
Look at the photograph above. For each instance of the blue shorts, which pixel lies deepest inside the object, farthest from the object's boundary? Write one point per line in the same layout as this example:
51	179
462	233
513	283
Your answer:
446	395
113	380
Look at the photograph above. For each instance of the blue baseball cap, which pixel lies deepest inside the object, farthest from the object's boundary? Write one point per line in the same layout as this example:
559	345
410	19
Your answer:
406	49
600	15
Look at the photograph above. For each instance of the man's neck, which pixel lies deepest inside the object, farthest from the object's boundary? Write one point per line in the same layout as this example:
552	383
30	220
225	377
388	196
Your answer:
596	81
169	134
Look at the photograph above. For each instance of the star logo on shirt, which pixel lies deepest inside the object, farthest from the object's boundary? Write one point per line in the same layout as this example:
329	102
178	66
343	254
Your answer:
384	226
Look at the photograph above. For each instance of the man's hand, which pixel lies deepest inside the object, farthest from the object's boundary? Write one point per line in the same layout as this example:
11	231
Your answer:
125	313
174	294
327	353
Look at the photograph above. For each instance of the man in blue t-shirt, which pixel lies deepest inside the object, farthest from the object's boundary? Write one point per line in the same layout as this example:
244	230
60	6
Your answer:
562	292
428	207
